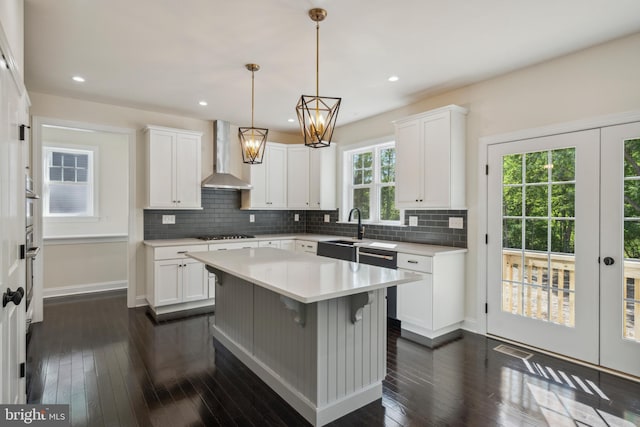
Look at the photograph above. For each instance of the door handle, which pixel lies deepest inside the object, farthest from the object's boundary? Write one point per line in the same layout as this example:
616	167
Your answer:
609	261
12	296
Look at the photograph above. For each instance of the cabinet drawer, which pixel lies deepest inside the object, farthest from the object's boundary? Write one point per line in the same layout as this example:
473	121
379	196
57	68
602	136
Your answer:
306	246
269	244
419	263
172	252
234	245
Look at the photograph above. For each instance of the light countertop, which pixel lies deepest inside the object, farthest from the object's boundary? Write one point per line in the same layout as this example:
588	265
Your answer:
303	277
401	247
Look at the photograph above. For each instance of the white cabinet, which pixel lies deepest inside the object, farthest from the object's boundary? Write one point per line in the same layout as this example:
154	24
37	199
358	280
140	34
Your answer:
232	245
306	246
288	245
268	180
430	159
434	306
173	168
174	281
311	177
269	244
298	177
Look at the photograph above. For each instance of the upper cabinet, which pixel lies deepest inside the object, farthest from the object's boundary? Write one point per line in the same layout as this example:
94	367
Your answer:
311	177
430	159
268	180
173	168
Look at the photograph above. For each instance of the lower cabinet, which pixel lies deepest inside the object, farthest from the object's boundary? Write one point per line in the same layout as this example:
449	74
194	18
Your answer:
288	245
306	246
431	311
176	282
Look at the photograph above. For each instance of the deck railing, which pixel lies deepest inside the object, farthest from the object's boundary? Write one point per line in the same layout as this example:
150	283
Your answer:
536	288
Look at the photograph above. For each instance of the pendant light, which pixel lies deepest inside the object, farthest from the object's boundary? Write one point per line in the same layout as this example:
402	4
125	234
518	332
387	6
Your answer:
252	140
317	115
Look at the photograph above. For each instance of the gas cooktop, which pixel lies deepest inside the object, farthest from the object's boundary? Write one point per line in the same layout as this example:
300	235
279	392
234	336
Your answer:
226	237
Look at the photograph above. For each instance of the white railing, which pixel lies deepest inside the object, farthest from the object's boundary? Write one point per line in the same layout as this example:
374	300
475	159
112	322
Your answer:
536	288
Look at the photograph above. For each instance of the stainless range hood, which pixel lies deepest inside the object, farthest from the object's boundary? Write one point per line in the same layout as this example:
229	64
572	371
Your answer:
221	178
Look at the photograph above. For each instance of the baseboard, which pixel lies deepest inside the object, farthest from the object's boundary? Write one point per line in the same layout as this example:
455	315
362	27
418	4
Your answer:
83	289
141	301
470	325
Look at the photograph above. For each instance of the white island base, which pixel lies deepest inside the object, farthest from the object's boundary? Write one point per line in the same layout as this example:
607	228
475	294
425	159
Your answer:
313	355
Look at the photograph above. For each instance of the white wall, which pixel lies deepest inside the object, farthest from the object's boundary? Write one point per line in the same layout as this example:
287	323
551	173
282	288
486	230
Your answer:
593	82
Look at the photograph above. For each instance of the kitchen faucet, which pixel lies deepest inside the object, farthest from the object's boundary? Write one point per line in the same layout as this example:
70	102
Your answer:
360	227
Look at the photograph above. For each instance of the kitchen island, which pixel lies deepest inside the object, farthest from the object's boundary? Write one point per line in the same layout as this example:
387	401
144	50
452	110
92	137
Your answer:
313	328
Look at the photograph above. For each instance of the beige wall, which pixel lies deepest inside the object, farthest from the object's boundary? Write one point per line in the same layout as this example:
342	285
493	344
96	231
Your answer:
84	264
597	81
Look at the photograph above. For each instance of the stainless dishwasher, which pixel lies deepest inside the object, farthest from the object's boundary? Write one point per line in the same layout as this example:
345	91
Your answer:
387	259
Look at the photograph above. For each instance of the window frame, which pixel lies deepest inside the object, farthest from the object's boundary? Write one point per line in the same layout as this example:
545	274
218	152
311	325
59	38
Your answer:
375	186
92	181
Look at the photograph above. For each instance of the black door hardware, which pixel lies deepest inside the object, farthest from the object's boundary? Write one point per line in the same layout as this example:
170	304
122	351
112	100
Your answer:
12	296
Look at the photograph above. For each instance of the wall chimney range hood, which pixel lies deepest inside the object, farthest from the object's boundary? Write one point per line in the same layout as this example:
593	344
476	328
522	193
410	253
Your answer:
221	178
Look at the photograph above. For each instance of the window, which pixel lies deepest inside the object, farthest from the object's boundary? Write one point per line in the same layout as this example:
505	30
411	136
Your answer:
68	182
370	182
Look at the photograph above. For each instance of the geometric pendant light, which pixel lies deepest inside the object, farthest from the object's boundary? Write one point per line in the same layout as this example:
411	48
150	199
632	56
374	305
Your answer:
252	140
317	115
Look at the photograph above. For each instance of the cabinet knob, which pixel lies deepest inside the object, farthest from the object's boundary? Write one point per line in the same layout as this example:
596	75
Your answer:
178	201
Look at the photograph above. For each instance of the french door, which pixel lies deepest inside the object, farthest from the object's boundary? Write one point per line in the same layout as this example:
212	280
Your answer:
564	244
620	249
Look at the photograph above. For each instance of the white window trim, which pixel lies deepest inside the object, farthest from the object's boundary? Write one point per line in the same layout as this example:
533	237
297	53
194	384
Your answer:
347	178
92	177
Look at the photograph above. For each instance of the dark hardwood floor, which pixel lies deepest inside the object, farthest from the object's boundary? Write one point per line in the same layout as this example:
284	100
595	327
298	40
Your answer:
116	367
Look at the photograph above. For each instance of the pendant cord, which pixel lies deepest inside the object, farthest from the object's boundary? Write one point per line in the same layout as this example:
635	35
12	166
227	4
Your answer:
252	95
317	59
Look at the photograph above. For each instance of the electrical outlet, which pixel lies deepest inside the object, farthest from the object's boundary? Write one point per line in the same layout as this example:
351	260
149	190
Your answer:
327	218
168	219
456	222
413	221
296	217
252	218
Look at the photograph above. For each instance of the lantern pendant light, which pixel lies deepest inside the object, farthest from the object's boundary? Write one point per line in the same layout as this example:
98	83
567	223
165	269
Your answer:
252	140
317	115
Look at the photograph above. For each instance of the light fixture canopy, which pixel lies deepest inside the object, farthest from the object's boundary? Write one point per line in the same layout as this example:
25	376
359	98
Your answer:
252	140
317	114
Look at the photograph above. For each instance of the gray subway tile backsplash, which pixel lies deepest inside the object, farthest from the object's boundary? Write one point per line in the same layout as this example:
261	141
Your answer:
221	214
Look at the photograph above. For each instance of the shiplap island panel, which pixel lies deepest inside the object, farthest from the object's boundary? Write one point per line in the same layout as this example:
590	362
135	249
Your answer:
312	328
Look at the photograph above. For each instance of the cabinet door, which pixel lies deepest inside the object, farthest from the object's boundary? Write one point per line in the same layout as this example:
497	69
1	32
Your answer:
257	196
415	303
161	146
269	244
276	177
409	165
167	275
288	245
298	177
194	286
436	137
187	170
322	178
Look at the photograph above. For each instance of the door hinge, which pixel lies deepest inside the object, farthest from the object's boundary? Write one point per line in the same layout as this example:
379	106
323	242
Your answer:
23	369
486	308
486	169
486	239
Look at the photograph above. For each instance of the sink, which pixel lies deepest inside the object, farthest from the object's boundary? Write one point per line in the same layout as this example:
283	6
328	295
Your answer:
339	249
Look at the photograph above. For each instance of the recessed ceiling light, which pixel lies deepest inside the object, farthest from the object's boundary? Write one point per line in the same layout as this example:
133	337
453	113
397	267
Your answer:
291	120
203	103
78	79
394	78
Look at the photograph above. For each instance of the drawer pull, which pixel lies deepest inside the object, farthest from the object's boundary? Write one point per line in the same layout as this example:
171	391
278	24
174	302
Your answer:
411	261
182	252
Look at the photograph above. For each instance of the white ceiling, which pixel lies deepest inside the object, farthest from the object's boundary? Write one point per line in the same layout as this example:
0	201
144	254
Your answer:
166	55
